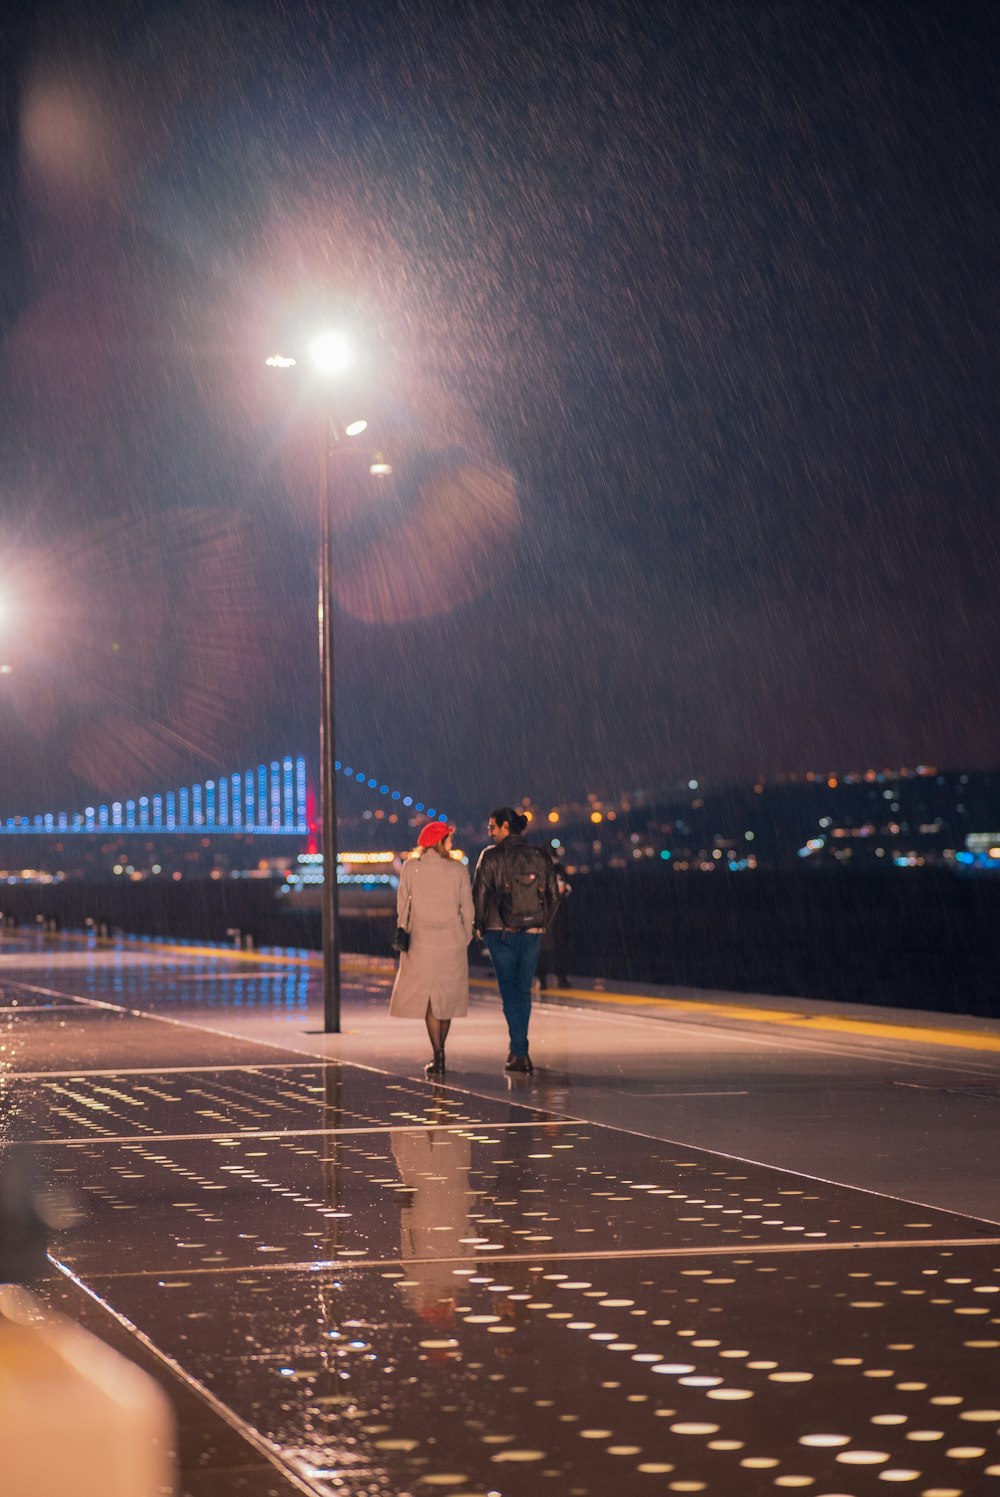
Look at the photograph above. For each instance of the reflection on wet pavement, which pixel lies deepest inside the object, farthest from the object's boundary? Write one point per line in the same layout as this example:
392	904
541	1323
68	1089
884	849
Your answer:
140	977
562	1188
103	1038
239	1098
403	1288
828	1373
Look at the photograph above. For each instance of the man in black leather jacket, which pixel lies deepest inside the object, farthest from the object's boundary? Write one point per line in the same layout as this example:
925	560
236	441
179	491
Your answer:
515	895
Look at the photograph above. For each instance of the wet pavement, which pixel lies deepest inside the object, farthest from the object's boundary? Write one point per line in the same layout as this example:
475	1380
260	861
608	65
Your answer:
606	1277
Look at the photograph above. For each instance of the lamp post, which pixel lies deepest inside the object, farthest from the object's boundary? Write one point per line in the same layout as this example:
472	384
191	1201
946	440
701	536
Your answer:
330	354
327	776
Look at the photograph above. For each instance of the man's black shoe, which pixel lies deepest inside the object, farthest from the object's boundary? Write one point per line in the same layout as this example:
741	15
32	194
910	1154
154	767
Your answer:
519	1063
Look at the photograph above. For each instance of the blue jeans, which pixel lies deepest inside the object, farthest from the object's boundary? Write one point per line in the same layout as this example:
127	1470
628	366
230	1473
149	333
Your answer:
515	957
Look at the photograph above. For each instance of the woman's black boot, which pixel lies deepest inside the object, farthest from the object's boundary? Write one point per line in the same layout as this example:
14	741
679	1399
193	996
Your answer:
435	1066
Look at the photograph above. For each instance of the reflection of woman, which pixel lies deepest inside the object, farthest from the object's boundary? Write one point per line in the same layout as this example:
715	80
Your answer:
434	1216
434	903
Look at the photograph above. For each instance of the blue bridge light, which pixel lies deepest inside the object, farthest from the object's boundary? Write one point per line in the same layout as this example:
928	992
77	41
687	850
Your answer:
268	800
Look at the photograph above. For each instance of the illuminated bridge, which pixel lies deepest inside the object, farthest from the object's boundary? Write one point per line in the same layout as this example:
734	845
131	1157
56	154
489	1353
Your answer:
269	800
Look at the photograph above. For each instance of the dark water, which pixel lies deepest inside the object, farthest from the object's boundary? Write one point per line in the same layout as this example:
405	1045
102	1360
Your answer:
909	938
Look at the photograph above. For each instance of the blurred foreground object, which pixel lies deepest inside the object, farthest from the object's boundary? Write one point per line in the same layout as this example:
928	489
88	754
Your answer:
75	1417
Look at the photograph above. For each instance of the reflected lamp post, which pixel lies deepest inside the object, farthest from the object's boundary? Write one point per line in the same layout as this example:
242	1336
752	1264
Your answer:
330	355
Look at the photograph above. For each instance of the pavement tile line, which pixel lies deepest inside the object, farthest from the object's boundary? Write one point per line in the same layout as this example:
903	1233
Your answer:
246	1431
42	1008
545	1118
879	1195
498	1260
690	1014
265	1135
226	1034
563	1121
87	1075
75	1000
921	1034
479	1096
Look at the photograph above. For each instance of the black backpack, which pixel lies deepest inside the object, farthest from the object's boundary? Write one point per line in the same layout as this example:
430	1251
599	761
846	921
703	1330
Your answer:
522	887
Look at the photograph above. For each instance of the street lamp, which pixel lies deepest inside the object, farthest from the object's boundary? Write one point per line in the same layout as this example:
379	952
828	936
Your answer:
330	355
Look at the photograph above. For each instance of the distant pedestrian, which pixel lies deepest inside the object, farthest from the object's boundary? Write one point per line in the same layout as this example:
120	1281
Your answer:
554	954
434	904
515	896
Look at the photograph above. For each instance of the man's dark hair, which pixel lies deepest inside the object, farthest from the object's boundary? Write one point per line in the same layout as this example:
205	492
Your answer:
506	815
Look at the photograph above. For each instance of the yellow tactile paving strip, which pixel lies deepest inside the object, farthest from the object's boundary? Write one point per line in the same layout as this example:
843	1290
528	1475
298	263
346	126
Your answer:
964	1039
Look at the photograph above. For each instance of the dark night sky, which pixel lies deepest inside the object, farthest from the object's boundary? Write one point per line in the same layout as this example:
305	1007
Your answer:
679	324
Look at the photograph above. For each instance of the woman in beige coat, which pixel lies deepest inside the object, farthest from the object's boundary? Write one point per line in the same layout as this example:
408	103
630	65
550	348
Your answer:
434	903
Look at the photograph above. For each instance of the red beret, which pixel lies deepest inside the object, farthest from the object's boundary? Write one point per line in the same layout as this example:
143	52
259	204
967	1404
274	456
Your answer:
433	833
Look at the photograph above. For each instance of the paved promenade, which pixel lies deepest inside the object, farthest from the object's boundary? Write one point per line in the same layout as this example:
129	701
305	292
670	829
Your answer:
715	1244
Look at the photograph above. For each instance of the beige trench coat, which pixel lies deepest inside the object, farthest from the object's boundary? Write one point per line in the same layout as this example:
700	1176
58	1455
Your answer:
434	900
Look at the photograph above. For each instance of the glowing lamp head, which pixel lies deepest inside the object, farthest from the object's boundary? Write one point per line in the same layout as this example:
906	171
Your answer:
331	353
380	468
356	428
